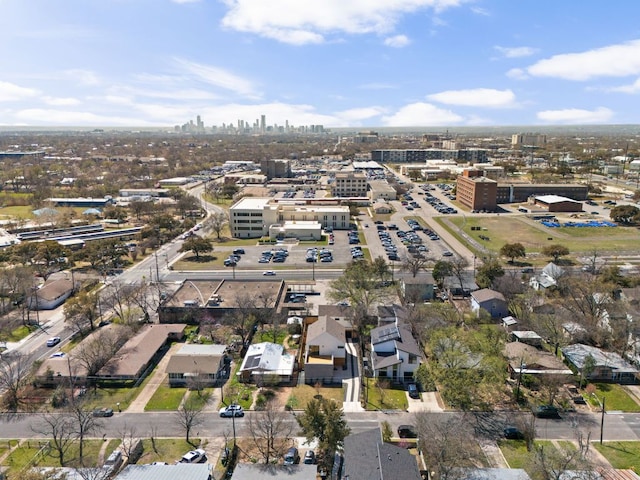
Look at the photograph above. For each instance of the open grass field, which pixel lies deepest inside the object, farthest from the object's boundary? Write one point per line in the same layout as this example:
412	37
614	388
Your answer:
303	394
621	454
535	236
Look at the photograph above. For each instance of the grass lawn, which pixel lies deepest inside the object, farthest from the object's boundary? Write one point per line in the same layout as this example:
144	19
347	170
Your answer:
534	236
303	394
516	454
24	454
200	400
394	399
17	334
109	397
211	261
18	211
166	449
621	454
165	398
5	445
266	335
236	392
616	398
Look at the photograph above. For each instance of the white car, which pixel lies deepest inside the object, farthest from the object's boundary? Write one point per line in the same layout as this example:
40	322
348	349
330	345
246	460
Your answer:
194	456
269	273
232	410
53	341
57	355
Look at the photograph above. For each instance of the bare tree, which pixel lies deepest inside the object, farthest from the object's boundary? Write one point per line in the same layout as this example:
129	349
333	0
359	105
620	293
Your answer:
216	221
119	297
85	424
95	352
189	416
61	429
14	376
271	430
414	264
549	463
448	444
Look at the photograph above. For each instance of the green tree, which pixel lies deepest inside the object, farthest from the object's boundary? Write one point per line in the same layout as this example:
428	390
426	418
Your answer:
512	251
555	251
49	257
381	268
625	214
197	245
488	272
82	309
441	269
323	419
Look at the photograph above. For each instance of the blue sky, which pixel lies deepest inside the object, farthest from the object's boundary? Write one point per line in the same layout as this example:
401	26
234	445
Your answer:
340	63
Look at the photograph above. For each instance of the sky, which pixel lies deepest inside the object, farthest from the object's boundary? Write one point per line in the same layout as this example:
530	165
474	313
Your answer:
337	63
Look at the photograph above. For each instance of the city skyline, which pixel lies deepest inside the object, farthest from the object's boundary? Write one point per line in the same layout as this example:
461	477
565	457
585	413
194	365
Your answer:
402	63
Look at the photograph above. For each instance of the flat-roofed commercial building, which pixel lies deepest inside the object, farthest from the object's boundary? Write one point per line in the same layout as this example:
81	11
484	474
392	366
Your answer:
349	184
475	191
478	155
381	190
251	217
521	192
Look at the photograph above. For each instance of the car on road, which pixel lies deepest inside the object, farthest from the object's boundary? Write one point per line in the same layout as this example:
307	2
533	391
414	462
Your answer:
194	456
57	355
269	273
309	457
53	341
407	431
513	433
232	410
447	253
103	412
412	388
546	411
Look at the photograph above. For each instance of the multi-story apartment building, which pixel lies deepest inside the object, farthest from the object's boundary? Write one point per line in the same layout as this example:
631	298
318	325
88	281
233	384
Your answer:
476	155
275	168
349	184
251	217
529	139
475	191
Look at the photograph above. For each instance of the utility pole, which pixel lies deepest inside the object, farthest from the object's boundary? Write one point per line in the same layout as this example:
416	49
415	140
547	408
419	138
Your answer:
602	419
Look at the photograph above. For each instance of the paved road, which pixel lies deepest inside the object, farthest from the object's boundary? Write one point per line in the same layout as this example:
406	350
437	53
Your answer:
617	426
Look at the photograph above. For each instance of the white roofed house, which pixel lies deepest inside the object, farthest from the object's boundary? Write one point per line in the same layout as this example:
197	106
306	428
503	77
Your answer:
548	278
324	349
266	363
395	354
607	366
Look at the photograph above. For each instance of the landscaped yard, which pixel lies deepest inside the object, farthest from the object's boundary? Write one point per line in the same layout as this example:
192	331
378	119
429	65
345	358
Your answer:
616	398
303	394
516	454
165	449
236	392
17	334
110	397
621	454
165	398
265	334
386	398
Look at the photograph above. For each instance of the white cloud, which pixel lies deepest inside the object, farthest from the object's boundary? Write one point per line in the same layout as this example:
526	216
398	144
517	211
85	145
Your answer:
293	21
218	77
357	114
516	52
576	116
10	92
61	101
476	97
397	41
612	61
481	11
633	88
421	114
517	74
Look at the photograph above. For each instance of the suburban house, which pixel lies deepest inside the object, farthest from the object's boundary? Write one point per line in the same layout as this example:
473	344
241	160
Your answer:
195	363
489	300
367	457
395	354
533	361
266	363
391	314
51	295
419	288
324	349
341	314
154	471
260	471
459	286
548	278
608	366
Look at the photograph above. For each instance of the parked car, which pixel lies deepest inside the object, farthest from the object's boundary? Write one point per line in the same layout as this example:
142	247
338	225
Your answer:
232	410
413	390
53	341
546	411
407	431
310	457
291	457
103	412
194	456
513	433
238	251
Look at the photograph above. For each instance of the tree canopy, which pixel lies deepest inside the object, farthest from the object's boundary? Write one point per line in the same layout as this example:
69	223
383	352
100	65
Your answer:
555	251
513	251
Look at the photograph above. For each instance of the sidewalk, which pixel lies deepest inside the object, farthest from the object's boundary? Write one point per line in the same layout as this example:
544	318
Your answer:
158	376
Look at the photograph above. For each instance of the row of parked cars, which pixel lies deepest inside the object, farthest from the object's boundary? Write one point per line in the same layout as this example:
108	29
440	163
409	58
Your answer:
353	237
278	255
388	245
313	254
